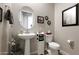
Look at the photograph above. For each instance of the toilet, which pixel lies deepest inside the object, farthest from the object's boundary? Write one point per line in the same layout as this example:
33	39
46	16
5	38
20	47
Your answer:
53	47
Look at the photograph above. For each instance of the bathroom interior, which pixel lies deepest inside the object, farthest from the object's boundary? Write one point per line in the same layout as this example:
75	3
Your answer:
39	29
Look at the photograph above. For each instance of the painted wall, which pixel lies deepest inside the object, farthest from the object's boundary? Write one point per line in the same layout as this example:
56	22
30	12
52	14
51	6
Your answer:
62	34
39	9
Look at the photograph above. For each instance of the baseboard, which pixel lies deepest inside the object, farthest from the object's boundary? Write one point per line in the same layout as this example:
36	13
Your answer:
64	52
34	52
61	51
3	53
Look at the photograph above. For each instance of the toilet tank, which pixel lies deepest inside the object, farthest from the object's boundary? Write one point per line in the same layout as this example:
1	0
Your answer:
48	38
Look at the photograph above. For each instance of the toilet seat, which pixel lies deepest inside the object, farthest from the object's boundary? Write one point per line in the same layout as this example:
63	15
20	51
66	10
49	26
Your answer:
54	45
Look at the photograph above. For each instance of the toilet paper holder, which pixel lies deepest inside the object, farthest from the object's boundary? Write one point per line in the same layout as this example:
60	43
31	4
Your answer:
71	43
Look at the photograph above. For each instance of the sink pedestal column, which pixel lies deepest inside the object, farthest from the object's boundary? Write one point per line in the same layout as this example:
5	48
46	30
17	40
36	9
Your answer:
27	47
27	37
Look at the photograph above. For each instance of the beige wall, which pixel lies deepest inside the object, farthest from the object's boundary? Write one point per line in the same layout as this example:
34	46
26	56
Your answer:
39	9
62	34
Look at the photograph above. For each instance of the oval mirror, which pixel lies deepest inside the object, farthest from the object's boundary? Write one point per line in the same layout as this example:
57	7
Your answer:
26	17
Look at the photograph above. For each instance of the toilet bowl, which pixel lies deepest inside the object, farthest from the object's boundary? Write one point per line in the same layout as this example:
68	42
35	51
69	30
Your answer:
53	47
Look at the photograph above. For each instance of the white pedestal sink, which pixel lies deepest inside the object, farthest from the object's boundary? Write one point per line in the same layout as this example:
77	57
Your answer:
27	37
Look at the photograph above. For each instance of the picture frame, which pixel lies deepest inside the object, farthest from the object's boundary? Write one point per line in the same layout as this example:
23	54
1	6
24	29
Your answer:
40	19
49	22
1	11
70	16
46	18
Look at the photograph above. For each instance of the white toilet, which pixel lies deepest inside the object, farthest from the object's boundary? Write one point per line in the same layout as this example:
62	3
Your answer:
53	47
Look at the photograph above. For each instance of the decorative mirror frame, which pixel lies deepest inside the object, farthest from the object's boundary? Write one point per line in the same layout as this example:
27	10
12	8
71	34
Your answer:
29	10
75	15
49	22
46	18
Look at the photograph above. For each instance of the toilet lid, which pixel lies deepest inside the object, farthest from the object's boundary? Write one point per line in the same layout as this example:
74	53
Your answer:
54	45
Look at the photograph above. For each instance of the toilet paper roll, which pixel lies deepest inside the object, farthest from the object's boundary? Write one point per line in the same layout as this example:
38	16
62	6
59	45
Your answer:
70	41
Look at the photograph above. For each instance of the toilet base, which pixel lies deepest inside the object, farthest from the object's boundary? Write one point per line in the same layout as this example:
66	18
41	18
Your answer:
52	52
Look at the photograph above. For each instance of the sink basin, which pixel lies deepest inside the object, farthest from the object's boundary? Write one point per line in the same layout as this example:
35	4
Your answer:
26	35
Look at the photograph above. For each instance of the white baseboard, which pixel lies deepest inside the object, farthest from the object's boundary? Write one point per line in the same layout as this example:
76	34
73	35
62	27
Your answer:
3	53
64	52
61	51
34	52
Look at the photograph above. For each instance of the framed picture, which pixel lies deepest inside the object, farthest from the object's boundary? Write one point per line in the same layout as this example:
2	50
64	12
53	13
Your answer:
1	14
49	22
46	18
40	19
70	16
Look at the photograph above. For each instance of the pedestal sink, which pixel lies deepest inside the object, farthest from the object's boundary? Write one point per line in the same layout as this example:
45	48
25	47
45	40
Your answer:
27	37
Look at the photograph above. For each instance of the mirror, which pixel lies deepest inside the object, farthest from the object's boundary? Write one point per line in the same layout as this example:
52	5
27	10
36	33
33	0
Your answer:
70	16
26	17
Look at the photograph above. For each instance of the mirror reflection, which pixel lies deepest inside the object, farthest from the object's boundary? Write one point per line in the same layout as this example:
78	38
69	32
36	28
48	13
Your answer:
26	17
